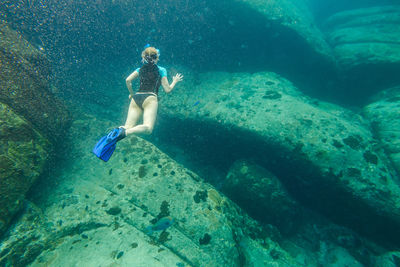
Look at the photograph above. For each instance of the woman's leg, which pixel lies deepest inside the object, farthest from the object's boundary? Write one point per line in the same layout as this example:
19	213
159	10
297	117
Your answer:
134	114
150	106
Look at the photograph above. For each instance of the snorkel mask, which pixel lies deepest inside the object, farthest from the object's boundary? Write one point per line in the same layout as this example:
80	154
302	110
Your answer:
152	58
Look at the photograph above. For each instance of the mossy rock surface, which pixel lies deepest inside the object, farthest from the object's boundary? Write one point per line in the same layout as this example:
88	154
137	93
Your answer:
367	36
384	113
24	86
296	16
23	154
75	226
366	44
260	193
327	151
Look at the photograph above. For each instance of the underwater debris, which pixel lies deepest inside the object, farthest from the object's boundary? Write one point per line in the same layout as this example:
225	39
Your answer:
269	83
142	171
272	95
354	141
354	172
337	144
164	209
163	237
119	255
275	254
114	210
205	240
200	196
370	157
116	224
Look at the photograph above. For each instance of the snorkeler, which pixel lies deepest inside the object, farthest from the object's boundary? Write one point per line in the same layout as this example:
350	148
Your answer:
143	103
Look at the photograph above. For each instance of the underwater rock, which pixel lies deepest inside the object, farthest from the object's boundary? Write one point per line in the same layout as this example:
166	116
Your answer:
367	36
25	88
213	232
325	155
207	233
294	17
23	154
389	259
385	119
262	195
32	119
366	43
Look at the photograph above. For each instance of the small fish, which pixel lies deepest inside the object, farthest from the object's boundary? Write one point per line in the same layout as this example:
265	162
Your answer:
162	224
196	103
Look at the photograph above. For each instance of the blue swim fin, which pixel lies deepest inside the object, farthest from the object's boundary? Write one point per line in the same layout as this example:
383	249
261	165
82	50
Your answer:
106	145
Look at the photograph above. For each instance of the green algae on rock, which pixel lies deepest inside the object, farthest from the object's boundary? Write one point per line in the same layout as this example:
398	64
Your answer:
383	113
220	229
30	97
32	119
23	154
261	194
367	36
366	44
342	182
296	16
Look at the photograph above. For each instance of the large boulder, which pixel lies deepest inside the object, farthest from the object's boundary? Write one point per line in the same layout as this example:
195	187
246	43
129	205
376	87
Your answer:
384	114
293	15
325	155
287	40
93	214
366	43
31	120
23	154
304	232
24	85
262	195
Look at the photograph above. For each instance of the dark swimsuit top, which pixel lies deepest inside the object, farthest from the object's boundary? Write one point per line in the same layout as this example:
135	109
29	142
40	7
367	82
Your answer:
150	78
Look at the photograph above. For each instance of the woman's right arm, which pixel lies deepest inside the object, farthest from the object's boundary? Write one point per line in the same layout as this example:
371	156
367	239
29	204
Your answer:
129	80
167	87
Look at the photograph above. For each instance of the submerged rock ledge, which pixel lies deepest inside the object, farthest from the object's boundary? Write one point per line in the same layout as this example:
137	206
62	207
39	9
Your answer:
97	214
89	213
325	155
24	85
383	113
294	15
366	44
31	120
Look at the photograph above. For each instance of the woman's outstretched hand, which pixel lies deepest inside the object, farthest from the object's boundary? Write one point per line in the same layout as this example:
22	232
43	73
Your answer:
177	78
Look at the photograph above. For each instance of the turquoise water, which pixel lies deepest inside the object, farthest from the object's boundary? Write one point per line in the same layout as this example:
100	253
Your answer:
278	148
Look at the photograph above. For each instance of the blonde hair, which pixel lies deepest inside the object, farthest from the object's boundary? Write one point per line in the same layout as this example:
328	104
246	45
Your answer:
150	54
